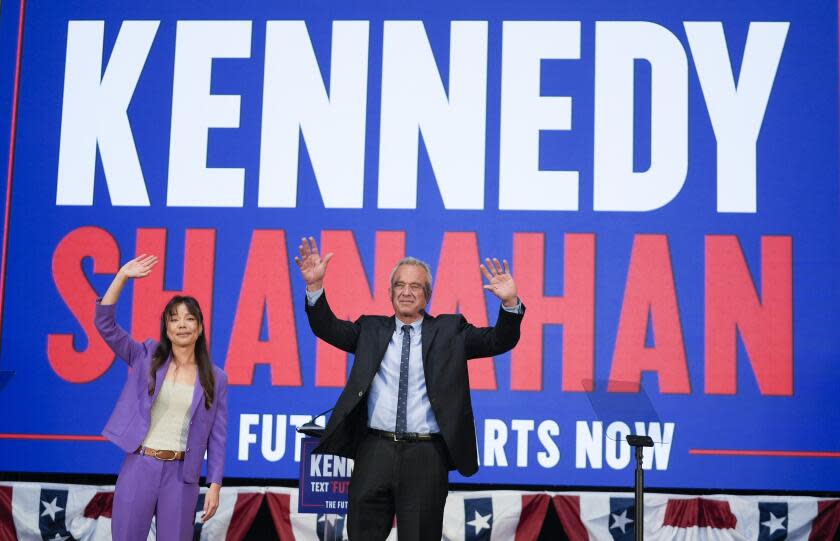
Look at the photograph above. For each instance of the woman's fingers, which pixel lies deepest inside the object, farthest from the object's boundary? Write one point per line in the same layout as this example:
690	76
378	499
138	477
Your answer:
145	262
209	510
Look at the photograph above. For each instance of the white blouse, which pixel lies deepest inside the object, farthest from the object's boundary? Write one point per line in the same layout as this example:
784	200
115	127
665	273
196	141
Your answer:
170	417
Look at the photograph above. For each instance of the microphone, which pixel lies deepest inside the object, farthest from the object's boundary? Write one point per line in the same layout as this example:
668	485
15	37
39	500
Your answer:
640	441
312	429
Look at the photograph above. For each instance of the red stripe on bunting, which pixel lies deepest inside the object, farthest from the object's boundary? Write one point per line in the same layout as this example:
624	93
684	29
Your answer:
278	505
827	522
699	512
244	512
531	517
568	511
100	505
7	522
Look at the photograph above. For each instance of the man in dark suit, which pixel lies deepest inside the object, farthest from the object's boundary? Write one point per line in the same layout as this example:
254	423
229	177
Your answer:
405	415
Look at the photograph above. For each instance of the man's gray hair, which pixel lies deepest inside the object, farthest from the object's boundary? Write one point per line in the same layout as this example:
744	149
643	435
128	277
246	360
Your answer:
427	287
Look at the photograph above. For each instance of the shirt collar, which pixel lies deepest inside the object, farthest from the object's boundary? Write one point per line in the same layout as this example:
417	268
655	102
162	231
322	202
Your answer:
416	326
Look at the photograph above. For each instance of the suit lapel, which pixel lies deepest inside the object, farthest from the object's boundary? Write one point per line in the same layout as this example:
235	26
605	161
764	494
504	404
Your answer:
429	331
198	393
386	331
160	375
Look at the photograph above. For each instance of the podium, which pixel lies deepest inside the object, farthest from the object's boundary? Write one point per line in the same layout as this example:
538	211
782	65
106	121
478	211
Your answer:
324	483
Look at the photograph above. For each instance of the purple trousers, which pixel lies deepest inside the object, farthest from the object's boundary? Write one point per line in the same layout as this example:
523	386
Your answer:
148	487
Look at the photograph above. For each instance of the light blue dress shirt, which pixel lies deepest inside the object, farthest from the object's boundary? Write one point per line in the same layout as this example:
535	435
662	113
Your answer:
382	396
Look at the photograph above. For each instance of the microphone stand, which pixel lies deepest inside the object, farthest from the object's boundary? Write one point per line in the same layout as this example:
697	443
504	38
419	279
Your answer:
639	486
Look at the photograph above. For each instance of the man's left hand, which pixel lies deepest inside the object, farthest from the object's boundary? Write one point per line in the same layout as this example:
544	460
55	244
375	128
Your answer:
501	282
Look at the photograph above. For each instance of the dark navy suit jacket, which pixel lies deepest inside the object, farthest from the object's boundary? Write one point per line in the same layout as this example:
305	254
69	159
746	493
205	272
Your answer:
448	342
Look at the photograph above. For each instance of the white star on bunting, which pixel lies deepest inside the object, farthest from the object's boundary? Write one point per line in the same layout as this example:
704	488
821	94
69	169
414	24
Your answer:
480	522
620	521
51	508
775	523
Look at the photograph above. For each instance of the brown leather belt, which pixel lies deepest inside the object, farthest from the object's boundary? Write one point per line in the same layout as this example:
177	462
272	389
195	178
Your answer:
405	436
161	454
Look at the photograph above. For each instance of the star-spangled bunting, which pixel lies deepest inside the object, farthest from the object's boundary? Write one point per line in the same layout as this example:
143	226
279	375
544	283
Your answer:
621	521
775	523
480	522
51	508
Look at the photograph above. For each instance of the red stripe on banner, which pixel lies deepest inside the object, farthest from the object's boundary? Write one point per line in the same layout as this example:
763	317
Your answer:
278	505
827	522
244	512
568	511
52	437
531	517
13	130
699	512
759	452
100	505
7	522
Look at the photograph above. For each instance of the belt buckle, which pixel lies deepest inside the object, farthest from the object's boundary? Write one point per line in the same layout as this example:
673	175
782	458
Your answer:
171	458
396	437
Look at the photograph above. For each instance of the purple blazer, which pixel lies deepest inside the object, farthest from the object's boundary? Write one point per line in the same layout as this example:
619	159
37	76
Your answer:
132	415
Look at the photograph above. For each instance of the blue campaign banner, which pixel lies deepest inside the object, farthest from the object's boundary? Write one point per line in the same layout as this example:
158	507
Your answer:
661	177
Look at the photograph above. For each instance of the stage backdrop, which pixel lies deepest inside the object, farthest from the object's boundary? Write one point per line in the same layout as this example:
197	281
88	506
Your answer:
662	179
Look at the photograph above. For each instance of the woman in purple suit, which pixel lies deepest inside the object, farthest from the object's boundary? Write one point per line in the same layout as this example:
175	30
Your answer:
172	409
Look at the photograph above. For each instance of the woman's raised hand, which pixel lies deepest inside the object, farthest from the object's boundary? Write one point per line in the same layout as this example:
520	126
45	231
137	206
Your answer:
139	267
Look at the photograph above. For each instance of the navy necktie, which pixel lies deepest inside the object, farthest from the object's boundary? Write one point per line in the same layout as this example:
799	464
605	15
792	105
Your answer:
402	396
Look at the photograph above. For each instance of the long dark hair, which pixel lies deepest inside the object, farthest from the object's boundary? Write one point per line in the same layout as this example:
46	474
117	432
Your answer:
202	354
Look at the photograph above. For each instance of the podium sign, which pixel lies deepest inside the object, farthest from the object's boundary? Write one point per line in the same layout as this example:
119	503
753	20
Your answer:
324	481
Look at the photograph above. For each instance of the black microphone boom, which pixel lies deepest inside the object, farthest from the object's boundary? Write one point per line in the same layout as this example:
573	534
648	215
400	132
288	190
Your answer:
312	429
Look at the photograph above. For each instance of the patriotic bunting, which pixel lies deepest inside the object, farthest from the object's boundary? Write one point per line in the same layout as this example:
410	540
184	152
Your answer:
38	512
608	516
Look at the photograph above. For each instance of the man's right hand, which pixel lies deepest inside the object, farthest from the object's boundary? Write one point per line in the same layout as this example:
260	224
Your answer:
312	266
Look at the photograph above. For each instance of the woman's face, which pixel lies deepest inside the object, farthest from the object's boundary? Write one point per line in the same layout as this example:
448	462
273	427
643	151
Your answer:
182	328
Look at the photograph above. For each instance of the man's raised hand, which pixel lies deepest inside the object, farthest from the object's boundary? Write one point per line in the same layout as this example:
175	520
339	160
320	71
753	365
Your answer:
312	266
501	282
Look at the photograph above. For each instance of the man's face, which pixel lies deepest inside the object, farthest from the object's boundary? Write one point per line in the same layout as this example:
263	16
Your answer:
408	294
